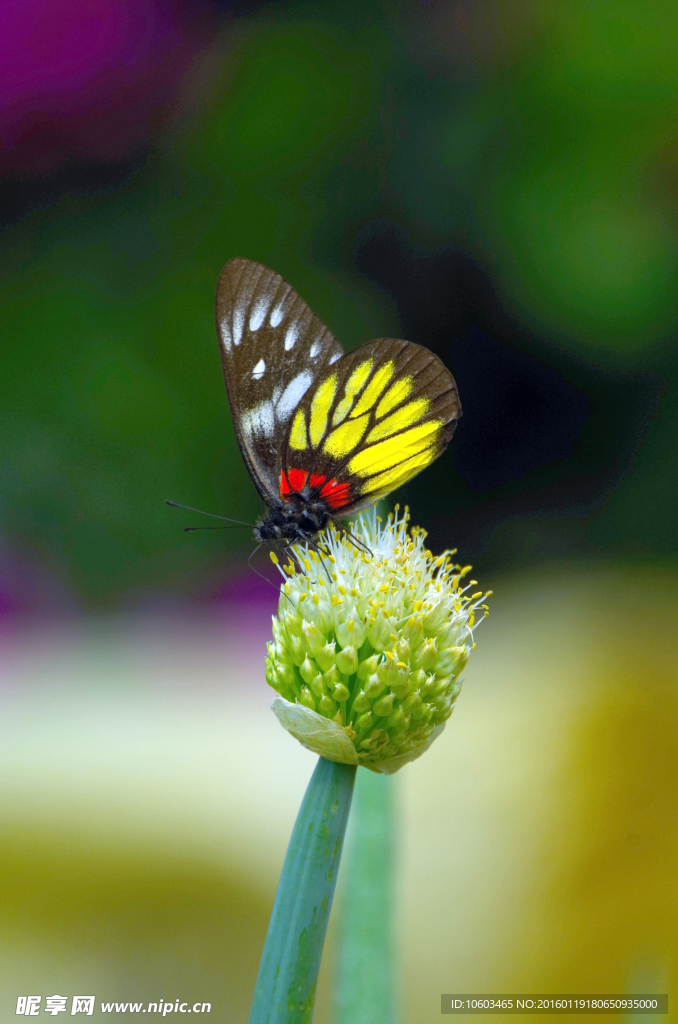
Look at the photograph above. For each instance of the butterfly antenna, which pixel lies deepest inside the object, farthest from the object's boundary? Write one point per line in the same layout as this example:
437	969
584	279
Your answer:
188	508
314	546
260	574
192	529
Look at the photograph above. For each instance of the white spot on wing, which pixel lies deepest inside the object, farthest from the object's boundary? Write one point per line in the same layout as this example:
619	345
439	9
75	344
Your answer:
276	315
238	323
259	370
315	349
259	420
333	359
257	313
292	395
291	336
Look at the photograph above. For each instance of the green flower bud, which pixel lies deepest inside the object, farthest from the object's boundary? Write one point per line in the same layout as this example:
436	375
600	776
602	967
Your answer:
365	721
291	622
361	702
319	612
419	680
317	686
411	702
402	651
379	632
327	707
308	669
394	673
285	672
384	705
315	639
332	677
349	630
367	667
396	719
450	633
298	650
423	712
413	631
374	685
340	692
306	698
325	657
426	655
450	660
434	619
347	660
274	679
366	650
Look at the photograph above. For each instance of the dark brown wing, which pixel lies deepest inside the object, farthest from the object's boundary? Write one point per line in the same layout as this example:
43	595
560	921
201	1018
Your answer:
273	348
369	423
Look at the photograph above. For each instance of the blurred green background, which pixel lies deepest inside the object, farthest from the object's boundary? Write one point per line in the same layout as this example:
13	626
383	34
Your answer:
495	179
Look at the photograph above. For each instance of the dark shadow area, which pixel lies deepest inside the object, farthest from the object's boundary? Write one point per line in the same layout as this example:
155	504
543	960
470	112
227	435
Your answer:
544	433
22	195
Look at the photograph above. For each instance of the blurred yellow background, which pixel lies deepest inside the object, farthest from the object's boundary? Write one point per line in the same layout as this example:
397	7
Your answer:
148	794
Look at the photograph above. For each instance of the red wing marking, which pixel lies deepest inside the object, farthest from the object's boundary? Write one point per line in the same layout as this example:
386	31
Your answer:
334	493
293	482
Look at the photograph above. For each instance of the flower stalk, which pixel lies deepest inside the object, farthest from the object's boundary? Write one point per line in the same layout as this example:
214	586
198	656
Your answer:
286	983
364	989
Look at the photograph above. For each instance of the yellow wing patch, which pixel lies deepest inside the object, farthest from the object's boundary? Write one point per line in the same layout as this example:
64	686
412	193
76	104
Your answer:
404	417
351	389
397	393
385	437
320	408
345	438
387	454
374	389
298	431
387	481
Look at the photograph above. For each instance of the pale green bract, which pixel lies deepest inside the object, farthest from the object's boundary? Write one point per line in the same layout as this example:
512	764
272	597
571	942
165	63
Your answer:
371	635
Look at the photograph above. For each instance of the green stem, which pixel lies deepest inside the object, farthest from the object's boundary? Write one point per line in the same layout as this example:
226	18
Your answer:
363	987
285	989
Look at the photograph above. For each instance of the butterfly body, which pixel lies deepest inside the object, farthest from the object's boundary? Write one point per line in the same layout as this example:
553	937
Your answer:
322	432
298	517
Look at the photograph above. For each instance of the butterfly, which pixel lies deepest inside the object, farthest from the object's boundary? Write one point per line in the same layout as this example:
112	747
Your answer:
322	432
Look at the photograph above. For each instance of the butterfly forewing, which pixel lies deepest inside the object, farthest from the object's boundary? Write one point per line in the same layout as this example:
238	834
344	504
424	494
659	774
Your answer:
369	423
273	349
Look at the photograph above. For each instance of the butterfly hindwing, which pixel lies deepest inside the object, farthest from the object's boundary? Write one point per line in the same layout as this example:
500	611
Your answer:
370	422
273	348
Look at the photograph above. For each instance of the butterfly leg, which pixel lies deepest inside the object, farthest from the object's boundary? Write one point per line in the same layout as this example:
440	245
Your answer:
351	537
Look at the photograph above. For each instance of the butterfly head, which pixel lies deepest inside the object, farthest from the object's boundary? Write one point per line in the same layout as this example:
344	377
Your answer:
298	517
